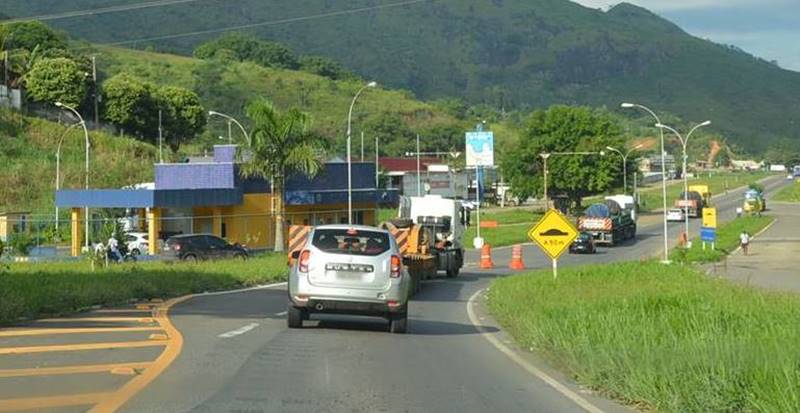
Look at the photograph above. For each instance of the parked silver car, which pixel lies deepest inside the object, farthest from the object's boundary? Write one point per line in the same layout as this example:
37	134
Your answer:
349	270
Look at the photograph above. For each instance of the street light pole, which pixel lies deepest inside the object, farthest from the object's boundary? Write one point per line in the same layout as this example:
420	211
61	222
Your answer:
58	164
86	174
663	175
624	165
231	119
419	178
684	143
349	159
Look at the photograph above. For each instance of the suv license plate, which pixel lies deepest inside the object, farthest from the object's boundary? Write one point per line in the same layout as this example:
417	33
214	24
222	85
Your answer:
349	267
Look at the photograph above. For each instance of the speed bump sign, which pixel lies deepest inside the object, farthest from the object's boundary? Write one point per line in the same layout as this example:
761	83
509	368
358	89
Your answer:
553	234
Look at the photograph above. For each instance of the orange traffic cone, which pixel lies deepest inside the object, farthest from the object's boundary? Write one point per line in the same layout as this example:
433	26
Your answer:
516	258
486	257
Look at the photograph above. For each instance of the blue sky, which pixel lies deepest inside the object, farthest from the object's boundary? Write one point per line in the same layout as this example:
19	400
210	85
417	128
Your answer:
766	28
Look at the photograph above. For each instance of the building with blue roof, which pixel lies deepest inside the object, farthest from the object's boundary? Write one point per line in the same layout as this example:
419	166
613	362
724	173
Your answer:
211	196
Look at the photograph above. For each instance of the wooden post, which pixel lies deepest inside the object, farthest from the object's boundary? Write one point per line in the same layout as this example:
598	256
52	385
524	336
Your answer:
153	229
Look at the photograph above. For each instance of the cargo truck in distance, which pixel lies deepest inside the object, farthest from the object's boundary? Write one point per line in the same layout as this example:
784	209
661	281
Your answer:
610	222
694	200
429	232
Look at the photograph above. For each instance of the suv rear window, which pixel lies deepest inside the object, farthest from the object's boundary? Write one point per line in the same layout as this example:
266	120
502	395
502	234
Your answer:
351	242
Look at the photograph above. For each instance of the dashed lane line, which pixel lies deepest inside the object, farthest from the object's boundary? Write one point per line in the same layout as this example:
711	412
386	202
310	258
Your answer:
40	403
56	331
239	331
58	371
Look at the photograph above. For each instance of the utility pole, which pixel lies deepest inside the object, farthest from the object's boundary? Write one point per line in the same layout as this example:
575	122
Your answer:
377	181
160	140
97	97
419	177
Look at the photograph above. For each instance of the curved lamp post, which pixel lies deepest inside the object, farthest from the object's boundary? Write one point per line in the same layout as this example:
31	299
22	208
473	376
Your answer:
624	164
230	120
86	174
58	163
349	160
663	174
684	143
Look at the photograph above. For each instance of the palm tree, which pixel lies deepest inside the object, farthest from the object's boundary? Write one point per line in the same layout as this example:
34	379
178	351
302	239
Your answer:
280	144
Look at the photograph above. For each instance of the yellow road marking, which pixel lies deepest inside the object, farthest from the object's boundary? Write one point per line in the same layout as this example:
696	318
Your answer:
57	371
39	403
49	331
173	348
80	347
99	319
121	310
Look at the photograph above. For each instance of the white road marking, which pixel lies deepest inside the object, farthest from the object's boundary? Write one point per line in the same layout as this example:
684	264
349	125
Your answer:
243	290
281	314
239	331
530	368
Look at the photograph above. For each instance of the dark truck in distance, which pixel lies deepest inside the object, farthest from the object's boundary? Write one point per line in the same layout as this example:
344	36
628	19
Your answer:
608	223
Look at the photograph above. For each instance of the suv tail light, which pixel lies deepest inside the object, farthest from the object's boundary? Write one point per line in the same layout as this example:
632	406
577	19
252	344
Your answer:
305	257
397	265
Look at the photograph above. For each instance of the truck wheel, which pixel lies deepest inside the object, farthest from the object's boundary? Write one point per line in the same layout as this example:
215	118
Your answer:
398	323
295	316
453	271
402	222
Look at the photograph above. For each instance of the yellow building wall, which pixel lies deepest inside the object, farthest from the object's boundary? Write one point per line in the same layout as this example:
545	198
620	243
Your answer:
252	223
4	228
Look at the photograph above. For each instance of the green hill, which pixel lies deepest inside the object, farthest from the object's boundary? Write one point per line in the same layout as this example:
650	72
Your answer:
506	53
28	155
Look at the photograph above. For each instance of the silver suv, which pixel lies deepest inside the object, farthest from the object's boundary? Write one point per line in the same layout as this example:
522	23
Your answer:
349	270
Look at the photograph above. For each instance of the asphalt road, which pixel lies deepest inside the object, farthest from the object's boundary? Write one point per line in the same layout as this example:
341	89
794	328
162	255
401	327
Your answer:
238	356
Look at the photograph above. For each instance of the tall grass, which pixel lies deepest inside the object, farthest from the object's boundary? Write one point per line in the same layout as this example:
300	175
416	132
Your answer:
790	193
33	290
665	338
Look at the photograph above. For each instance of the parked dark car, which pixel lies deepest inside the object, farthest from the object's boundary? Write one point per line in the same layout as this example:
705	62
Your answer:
583	244
194	247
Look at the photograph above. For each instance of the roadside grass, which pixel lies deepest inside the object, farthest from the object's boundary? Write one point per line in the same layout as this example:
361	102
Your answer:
727	240
35	290
513	227
790	193
662	338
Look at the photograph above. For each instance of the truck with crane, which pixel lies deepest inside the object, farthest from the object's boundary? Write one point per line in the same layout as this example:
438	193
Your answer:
429	232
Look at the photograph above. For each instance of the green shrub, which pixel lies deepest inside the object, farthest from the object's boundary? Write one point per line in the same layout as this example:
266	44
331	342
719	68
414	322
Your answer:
21	243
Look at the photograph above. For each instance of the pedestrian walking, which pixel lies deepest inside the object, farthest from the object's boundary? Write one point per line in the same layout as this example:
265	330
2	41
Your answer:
744	240
113	248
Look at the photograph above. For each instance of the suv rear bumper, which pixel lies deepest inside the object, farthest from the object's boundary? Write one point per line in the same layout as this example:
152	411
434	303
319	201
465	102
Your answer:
323	305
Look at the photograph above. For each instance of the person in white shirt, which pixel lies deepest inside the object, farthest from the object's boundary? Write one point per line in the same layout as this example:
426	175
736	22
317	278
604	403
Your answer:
744	239
113	246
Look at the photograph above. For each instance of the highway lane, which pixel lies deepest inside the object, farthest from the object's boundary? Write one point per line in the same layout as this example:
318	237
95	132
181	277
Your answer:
352	364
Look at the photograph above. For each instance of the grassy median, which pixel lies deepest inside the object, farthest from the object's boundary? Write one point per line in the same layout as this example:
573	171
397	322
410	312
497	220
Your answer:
662	338
727	240
790	193
34	290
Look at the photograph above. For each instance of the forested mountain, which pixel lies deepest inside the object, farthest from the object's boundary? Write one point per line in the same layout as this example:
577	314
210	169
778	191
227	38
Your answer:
511	54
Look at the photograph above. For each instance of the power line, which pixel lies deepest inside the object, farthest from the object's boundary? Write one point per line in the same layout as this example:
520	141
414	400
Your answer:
268	23
94	12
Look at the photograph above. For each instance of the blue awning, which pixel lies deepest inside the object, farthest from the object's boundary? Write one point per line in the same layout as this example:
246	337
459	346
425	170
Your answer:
145	198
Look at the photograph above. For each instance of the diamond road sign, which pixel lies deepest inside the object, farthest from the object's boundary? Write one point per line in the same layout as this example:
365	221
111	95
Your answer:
554	233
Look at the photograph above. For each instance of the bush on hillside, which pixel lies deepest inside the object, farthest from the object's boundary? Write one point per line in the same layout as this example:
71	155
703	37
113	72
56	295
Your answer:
57	80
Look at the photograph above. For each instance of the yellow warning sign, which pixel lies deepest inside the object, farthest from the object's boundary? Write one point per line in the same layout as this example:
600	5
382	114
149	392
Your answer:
709	217
553	233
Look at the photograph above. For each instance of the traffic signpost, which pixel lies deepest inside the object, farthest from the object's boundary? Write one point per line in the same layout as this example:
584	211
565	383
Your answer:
708	232
554	233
